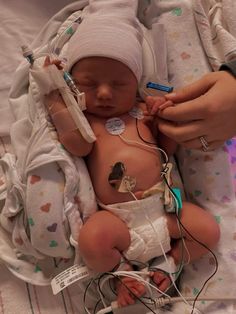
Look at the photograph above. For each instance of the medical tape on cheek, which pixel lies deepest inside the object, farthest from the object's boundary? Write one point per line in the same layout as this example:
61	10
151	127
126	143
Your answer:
63	121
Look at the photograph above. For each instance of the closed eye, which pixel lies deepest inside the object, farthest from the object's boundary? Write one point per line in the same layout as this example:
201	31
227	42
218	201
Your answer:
119	83
86	83
85	86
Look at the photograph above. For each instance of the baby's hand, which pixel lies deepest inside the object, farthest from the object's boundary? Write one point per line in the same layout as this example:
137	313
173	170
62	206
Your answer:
48	62
53	99
157	103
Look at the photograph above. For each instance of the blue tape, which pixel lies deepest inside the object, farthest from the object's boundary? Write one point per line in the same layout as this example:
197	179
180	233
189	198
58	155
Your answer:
163	88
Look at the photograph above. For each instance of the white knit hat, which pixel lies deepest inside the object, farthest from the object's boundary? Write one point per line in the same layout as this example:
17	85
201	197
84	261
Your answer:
109	30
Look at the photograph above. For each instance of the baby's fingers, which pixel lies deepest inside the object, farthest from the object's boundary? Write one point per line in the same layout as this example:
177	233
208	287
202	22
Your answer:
154	103
166	104
57	62
47	61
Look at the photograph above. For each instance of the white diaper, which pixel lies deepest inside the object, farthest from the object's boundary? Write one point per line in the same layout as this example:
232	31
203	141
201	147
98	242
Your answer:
147	225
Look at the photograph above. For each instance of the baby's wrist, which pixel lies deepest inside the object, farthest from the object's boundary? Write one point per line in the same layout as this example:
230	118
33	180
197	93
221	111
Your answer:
55	107
54	102
63	121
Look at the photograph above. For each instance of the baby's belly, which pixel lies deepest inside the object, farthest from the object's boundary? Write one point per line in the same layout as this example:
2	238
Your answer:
142	167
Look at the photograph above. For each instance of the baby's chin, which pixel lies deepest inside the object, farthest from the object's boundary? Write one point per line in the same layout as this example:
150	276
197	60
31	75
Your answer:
107	113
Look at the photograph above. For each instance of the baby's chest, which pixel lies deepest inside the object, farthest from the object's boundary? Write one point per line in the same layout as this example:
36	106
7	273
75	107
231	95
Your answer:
126	128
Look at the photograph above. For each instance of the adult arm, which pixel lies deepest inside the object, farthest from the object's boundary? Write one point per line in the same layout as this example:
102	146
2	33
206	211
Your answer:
205	108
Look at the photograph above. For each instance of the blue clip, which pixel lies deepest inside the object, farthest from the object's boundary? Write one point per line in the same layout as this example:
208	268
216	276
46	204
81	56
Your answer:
163	88
177	194
68	78
70	82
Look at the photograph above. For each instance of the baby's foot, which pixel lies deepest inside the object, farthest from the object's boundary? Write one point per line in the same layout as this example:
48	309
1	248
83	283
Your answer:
161	279
128	289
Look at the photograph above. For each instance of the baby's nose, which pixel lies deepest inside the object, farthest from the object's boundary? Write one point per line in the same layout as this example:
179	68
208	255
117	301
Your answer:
104	91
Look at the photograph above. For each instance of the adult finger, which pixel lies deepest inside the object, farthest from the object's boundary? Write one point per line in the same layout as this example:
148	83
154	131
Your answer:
193	90
181	132
187	111
192	100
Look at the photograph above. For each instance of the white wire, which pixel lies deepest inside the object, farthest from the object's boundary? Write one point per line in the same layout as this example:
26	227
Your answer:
135	275
131	142
101	295
148	219
159	302
130	274
167	262
180	229
85	307
132	194
87	311
106	310
148	284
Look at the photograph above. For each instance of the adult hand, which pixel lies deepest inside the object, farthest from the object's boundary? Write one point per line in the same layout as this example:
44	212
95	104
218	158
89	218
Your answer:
206	108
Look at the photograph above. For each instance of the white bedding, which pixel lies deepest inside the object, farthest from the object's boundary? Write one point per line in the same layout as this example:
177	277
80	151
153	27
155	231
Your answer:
20	22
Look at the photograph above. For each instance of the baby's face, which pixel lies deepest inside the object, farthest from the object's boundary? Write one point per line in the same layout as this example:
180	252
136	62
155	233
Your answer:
109	85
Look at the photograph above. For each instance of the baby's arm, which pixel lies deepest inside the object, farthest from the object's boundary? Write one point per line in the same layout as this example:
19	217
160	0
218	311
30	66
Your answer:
68	134
154	105
166	143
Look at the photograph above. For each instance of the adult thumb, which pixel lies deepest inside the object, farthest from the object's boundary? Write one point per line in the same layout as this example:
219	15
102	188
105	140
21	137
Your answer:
192	91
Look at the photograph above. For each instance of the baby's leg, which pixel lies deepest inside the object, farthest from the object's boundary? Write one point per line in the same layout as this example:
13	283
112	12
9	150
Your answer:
199	224
102	239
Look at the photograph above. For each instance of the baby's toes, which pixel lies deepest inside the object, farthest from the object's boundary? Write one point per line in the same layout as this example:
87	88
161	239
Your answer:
162	280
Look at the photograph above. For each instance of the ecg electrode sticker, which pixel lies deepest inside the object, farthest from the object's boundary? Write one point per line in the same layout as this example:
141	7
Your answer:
136	113
115	126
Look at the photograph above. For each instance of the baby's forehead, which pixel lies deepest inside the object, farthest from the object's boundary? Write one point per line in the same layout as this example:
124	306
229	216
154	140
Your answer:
92	61
101	66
